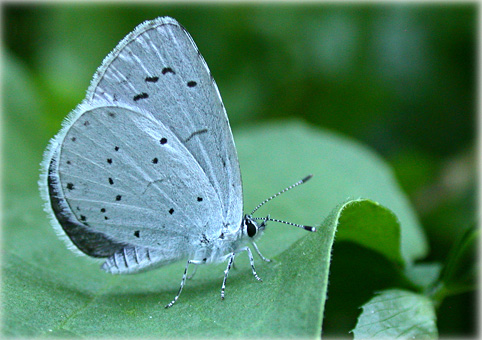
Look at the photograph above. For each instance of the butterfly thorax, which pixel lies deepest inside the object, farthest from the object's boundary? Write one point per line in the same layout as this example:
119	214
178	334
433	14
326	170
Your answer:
216	249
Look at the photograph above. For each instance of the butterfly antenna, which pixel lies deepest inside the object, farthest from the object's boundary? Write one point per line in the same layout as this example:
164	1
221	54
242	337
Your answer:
304	180
305	227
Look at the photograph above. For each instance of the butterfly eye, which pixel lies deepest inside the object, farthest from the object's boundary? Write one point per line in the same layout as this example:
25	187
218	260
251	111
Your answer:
251	228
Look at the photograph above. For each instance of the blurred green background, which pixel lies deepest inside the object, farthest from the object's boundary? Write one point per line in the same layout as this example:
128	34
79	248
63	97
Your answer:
400	78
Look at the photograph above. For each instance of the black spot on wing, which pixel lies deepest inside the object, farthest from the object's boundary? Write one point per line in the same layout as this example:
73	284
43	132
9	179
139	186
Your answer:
191	83
152	79
167	70
139	96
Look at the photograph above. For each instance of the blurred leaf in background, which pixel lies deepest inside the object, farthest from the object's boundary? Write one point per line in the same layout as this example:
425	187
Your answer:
400	78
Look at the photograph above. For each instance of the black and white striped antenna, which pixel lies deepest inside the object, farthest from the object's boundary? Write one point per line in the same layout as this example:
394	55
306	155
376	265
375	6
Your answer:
304	180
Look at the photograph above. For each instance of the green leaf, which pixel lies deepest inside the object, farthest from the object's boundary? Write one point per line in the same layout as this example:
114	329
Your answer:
459	273
423	275
397	314
461	268
369	224
284	152
288	303
48	290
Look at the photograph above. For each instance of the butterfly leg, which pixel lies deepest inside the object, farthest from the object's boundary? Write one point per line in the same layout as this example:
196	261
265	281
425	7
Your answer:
184	276
226	272
262	225
193	273
231	257
259	253
251	261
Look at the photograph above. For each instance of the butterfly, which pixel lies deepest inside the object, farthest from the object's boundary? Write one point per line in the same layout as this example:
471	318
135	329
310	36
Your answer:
144	172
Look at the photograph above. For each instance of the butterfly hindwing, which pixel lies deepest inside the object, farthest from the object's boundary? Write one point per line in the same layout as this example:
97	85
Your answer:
126	175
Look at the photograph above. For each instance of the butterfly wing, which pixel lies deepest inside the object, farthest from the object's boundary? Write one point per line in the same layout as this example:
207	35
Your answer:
124	174
158	68
156	83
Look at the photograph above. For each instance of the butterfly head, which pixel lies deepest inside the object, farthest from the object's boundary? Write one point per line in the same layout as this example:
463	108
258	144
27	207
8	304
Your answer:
251	228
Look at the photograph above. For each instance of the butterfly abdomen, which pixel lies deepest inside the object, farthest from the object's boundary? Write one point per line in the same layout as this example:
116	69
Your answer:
132	259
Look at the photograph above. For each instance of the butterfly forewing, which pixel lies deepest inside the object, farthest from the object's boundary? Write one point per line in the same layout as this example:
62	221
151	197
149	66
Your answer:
158	68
